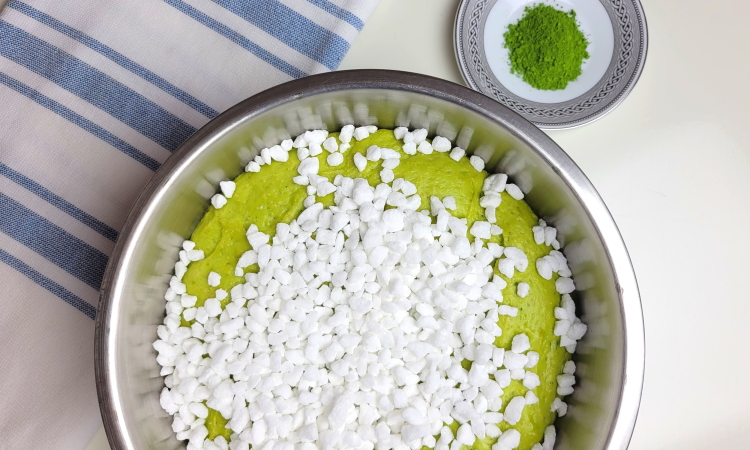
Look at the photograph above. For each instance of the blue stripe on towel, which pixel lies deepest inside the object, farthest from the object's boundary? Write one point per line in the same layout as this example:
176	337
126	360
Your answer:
59	202
67	296
291	28
115	56
52	242
237	38
94	86
79	120
336	11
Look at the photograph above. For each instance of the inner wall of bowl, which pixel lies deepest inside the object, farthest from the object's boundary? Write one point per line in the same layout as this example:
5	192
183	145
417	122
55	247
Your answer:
172	215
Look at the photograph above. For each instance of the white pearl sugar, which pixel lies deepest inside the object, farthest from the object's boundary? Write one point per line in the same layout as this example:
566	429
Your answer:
352	333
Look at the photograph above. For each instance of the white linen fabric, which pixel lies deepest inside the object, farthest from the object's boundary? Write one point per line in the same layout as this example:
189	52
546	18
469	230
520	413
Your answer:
94	96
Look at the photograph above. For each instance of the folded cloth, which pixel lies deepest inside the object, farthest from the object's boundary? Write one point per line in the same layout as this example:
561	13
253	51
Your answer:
94	96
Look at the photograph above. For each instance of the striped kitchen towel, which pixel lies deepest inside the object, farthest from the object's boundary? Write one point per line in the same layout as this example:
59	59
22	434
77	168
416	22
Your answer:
94	96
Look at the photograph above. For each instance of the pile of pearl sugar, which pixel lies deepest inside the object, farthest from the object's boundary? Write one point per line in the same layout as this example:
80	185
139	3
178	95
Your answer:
353	333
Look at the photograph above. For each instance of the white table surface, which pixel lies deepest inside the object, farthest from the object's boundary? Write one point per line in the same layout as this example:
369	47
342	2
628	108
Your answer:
672	162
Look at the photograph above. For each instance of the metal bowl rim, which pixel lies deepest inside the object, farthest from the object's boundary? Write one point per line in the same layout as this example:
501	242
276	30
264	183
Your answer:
150	197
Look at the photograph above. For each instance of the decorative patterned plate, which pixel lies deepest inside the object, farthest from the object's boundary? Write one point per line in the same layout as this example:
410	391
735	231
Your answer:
618	40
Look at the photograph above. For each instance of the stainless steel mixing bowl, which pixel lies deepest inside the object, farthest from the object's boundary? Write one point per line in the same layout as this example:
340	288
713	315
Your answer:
610	358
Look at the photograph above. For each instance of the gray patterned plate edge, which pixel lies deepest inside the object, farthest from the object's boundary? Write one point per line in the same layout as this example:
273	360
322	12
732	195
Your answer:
631	44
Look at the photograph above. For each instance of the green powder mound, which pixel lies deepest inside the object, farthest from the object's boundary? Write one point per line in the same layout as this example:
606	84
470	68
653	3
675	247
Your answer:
546	47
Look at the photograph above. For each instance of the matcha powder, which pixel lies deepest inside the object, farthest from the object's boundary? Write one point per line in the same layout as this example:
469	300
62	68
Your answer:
546	47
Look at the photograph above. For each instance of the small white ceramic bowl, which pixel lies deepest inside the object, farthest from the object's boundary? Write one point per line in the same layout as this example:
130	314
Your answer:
615	30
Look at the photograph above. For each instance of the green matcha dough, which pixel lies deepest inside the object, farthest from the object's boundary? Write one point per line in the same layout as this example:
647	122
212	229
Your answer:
269	197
